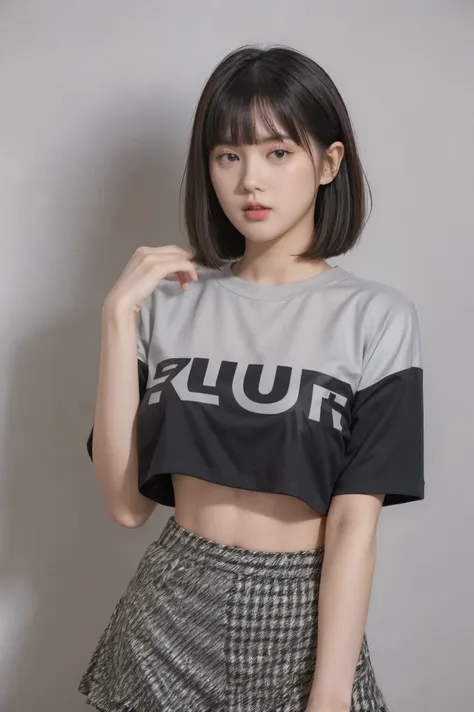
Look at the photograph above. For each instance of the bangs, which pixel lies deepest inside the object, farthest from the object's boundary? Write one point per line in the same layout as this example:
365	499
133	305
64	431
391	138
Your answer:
233	116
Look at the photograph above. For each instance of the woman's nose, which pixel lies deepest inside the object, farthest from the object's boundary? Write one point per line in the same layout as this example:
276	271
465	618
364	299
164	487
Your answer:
251	178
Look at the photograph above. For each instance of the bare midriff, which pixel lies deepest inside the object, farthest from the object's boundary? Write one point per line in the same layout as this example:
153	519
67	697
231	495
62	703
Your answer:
259	521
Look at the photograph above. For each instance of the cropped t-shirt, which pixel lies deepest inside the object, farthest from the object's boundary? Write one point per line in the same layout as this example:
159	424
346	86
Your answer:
309	389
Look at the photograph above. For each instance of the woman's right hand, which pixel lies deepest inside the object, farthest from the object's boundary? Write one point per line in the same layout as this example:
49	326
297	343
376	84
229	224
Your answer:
144	270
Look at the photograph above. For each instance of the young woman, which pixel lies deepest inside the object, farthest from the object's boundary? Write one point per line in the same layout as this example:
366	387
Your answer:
278	406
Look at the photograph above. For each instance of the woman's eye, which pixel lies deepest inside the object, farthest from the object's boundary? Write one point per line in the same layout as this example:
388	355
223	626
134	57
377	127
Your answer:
230	156
280	153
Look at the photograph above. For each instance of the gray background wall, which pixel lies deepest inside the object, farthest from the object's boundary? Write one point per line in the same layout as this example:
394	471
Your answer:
96	105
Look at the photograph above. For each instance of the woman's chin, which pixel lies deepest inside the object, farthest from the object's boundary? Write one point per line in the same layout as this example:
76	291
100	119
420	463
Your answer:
260	233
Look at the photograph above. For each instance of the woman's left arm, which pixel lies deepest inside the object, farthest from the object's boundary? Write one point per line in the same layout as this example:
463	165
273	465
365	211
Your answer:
382	464
344	595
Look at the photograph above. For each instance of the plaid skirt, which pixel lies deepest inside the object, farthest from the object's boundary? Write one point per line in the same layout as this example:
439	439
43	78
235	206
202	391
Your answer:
209	627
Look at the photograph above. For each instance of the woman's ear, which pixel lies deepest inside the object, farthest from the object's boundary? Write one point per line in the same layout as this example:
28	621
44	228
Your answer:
332	158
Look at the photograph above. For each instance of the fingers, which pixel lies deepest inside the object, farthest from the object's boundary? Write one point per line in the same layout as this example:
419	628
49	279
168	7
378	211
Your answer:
171	262
184	278
172	250
182	271
184	266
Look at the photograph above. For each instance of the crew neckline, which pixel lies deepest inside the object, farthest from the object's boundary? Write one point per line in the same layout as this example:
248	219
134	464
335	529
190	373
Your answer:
253	290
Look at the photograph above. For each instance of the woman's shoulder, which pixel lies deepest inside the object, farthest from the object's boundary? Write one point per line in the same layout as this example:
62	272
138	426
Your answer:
388	320
381	298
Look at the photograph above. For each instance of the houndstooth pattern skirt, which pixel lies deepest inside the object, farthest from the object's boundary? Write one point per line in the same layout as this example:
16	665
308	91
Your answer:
208	627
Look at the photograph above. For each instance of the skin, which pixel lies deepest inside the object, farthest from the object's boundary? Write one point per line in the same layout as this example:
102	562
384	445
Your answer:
288	183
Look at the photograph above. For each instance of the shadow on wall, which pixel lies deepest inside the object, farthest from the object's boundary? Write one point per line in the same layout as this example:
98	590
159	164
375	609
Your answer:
64	562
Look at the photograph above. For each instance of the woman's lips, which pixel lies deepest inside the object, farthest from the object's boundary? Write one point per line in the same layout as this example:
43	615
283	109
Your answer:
255	214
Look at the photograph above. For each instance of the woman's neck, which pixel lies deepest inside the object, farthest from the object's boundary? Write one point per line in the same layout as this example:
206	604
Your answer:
266	268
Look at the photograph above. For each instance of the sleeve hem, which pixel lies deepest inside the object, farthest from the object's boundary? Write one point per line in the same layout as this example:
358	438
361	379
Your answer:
391	495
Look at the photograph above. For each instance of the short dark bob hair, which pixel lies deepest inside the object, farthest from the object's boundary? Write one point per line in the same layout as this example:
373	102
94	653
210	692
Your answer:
286	85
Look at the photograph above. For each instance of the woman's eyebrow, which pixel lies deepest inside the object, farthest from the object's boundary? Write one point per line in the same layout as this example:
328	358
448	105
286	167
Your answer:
263	139
273	137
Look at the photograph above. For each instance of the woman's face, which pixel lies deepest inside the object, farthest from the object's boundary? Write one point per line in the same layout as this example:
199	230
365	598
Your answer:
278	174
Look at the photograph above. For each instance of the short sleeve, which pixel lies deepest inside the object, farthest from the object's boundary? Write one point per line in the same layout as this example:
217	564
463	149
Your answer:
384	454
143	334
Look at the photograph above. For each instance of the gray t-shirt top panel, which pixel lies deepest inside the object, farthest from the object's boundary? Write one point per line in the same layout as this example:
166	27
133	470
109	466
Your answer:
309	389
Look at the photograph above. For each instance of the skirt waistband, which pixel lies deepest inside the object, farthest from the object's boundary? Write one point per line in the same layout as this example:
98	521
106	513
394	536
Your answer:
247	562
